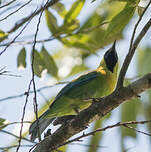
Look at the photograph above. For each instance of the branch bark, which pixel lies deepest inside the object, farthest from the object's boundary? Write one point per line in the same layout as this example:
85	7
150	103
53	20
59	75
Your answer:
94	112
103	106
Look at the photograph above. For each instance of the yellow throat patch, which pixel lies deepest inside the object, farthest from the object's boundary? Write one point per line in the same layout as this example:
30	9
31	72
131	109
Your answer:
101	70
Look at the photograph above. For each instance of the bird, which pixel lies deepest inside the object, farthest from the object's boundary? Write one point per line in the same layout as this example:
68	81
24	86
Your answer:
77	95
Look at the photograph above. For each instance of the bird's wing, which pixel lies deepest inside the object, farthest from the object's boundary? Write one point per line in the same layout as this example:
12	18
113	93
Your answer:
81	81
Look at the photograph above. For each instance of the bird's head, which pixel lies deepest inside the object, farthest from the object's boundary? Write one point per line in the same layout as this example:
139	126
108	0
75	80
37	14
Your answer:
111	58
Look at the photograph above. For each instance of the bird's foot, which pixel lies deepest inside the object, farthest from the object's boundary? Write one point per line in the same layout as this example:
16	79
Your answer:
48	133
138	96
76	110
94	100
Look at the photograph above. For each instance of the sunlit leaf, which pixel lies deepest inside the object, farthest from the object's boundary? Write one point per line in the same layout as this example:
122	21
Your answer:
60	8
70	26
90	37
74	11
3	35
21	59
51	22
119	22
2	123
62	148
49	62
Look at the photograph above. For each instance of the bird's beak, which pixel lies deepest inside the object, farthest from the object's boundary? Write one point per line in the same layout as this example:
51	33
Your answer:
113	46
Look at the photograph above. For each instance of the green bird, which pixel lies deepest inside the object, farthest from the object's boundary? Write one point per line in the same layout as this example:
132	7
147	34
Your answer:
78	94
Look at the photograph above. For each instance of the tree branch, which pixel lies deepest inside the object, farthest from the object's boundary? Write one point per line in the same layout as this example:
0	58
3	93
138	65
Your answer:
119	124
7	4
104	105
94	112
24	20
133	47
12	13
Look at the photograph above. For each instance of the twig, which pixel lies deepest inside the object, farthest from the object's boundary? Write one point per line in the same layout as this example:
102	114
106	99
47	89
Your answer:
12	123
53	37
7	4
9	133
4	11
22	119
127	149
15	37
38	90
142	132
109	127
96	111
136	25
33	74
13	146
24	20
133	47
15	11
85	145
6	73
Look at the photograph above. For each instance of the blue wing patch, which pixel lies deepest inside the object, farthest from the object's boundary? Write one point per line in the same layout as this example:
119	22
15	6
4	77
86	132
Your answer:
77	82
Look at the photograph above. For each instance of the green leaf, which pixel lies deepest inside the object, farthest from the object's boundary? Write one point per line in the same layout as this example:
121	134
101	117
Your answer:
39	65
143	67
3	35
74	11
49	62
70	26
95	139
143	60
90	37
62	149
129	112
2	123
70	21
21	59
51	22
60	8
119	22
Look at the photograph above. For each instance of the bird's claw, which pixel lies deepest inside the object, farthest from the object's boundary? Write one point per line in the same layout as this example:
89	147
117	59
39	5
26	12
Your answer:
48	133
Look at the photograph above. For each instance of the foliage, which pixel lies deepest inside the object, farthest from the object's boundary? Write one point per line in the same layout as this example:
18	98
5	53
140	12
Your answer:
81	39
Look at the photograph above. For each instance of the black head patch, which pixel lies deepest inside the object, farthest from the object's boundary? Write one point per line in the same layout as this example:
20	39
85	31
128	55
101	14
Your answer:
111	58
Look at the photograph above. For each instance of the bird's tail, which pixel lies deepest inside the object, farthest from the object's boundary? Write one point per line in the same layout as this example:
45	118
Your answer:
43	124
